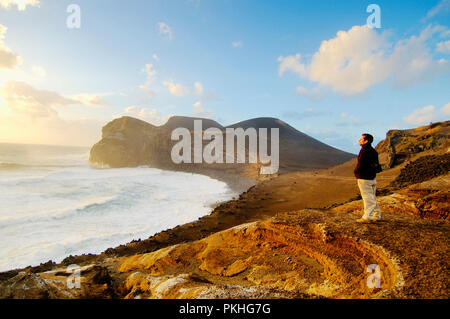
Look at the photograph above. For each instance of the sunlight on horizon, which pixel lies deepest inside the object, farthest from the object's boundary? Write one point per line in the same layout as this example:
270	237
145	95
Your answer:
62	87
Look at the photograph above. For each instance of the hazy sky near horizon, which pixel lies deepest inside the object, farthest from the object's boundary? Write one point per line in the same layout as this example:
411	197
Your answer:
314	64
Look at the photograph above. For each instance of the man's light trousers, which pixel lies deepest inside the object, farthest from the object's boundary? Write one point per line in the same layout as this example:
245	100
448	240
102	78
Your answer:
368	193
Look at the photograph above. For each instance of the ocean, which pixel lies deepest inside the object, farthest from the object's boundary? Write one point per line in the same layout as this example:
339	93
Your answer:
53	203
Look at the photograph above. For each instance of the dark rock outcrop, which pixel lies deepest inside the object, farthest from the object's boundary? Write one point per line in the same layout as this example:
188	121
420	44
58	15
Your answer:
422	169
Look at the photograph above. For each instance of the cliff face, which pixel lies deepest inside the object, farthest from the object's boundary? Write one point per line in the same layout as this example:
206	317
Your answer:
129	142
401	145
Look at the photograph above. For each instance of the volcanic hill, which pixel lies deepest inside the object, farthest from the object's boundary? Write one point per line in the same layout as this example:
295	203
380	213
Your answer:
129	142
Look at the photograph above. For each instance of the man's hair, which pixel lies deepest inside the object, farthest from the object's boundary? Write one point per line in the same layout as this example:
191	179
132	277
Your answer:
368	137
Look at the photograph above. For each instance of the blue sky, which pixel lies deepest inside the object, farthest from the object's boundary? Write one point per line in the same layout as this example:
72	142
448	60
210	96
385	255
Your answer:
314	64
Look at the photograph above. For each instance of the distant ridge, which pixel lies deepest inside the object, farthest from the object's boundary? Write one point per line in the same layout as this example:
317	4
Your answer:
188	122
298	150
128	142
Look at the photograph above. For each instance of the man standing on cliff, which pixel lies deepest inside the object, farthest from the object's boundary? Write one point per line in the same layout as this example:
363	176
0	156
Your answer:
365	172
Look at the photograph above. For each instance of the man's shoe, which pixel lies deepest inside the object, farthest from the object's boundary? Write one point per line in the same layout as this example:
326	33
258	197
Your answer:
363	220
376	219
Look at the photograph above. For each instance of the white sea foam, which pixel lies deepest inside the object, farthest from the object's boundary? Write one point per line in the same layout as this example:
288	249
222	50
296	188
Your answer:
52	206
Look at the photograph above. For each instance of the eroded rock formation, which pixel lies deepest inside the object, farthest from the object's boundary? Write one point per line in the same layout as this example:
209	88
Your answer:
129	142
401	145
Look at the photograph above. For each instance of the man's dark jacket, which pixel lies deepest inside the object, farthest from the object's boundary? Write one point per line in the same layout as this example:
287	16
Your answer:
367	163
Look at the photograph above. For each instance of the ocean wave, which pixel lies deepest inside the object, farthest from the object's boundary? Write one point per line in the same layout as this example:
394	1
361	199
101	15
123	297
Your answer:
5	166
89	205
83	210
58	214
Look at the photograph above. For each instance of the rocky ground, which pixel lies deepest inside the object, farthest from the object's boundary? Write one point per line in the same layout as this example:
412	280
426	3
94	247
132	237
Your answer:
293	236
278	253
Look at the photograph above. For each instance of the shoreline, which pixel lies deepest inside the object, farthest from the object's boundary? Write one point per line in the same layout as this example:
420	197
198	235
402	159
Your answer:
248	207
291	202
256	200
223	215
237	184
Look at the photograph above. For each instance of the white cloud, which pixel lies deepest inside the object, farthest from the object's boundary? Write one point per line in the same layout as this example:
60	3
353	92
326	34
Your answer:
443	47
292	63
198	107
446	109
198	89
199	111
95	100
155	57
428	114
204	95
150	79
442	6
151	116
236	44
421	116
20	4
176	89
8	59
11	65
24	100
29	116
445	33
411	62
359	58
21	98
346	62
165	30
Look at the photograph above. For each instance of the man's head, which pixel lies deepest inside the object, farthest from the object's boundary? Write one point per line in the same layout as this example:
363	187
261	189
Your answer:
366	138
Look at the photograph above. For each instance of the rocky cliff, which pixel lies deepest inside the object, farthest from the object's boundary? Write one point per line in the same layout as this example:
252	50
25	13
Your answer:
128	142
401	145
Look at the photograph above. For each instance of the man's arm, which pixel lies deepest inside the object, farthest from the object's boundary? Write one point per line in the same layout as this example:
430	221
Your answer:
377	161
358	164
